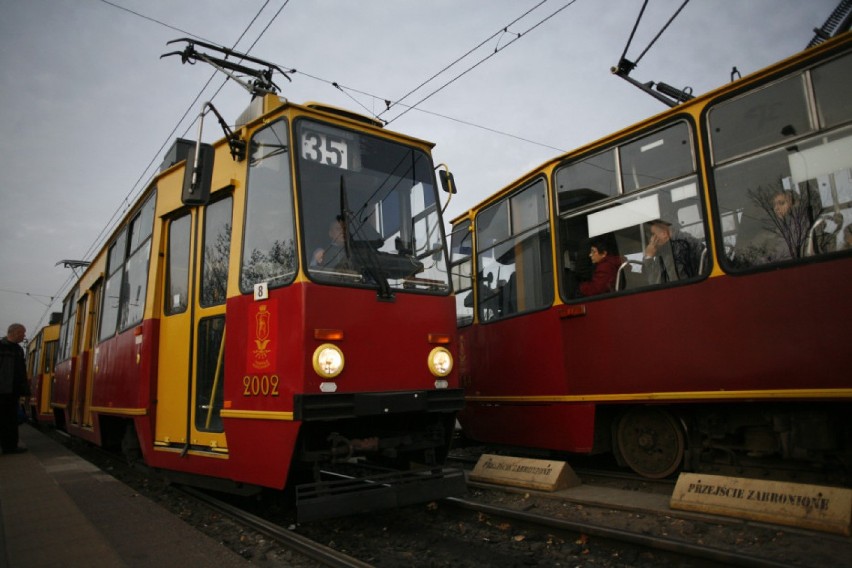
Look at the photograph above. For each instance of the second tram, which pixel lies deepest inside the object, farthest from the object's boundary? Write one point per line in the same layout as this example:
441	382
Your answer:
678	290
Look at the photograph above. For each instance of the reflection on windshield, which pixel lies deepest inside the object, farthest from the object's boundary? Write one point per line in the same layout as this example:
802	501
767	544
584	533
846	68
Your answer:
370	212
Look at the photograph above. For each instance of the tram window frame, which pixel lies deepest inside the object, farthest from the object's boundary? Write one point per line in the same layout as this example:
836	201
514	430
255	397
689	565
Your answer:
49	356
830	102
176	297
128	264
207	365
254	269
461	270
215	268
395	222
625	221
519	223
757	127
595	183
66	333
34	356
804	169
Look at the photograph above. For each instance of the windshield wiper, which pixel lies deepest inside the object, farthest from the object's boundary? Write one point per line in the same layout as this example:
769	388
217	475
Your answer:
363	247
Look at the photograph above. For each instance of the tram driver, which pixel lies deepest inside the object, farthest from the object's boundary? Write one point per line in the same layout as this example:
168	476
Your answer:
333	254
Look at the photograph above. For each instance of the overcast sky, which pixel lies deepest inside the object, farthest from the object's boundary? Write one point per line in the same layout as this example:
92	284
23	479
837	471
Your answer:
87	103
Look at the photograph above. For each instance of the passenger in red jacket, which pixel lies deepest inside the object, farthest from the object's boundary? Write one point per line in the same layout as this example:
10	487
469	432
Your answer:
606	268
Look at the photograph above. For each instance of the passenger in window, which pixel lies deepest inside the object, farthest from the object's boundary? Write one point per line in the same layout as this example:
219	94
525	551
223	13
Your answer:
606	263
335	253
785	228
671	255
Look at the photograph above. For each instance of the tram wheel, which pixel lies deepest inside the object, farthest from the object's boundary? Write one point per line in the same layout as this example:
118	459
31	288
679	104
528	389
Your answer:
651	442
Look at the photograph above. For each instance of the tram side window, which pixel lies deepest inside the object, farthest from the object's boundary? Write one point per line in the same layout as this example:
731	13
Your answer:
210	383
34	356
217	250
177	276
461	249
49	356
832	83
66	333
113	288
654	234
654	159
760	119
127	269
792	199
587	181
269	242
514	263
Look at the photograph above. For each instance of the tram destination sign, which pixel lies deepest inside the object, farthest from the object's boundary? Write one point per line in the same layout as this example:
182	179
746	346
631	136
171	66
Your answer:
816	507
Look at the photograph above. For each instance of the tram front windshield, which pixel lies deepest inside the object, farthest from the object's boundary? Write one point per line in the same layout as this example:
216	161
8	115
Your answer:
369	212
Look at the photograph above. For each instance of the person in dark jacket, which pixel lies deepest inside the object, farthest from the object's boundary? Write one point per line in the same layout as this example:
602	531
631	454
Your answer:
606	264
13	385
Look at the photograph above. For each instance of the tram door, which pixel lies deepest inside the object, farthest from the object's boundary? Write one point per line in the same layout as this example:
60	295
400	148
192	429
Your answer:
192	328
81	414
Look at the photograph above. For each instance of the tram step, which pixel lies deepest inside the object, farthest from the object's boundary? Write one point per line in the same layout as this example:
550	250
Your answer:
341	497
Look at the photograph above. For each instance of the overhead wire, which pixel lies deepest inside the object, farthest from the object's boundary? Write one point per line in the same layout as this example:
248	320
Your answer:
134	192
128	199
656	37
481	61
471	50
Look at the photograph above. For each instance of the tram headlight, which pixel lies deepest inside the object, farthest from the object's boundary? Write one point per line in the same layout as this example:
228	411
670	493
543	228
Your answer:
328	361
440	362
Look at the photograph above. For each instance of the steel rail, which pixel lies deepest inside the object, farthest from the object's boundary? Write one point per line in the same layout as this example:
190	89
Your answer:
303	545
668	545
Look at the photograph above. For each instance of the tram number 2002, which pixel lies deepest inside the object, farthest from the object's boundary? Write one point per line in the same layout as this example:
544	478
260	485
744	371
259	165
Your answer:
264	385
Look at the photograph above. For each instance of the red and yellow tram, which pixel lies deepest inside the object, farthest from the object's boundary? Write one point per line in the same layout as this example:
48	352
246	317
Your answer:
273	306
41	358
713	317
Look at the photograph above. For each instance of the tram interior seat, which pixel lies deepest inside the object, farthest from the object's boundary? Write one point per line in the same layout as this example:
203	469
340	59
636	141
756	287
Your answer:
629	277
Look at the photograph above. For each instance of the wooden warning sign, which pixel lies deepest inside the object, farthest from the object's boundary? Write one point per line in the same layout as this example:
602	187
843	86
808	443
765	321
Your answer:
826	509
542	475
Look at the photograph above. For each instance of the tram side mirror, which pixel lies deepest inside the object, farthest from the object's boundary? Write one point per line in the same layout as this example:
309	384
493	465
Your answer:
198	176
447	181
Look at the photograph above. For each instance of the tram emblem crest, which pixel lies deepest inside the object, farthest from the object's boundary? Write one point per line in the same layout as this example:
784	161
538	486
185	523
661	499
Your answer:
260	352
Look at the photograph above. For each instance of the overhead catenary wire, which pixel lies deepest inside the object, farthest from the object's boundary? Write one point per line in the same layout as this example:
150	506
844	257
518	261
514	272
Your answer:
471	50
134	192
481	61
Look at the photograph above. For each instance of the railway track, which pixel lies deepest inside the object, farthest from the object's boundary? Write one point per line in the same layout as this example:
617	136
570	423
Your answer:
322	554
668	545
497	527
